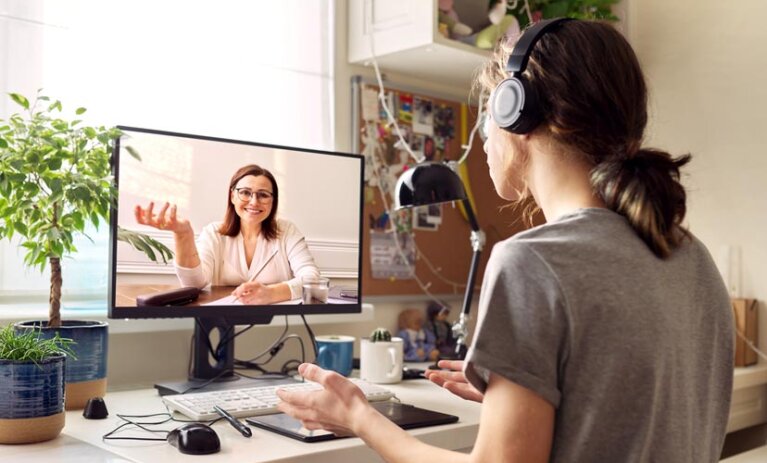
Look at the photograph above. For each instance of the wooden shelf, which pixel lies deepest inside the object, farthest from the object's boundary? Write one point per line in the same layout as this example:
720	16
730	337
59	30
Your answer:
406	40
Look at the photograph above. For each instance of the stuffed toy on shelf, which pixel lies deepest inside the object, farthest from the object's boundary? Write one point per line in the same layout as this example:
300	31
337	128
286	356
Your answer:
453	27
503	26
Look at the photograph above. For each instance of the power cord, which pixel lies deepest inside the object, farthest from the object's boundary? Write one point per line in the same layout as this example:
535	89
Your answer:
311	337
285	370
751	345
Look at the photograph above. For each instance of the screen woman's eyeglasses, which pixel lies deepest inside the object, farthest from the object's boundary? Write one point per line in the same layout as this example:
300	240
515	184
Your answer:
246	194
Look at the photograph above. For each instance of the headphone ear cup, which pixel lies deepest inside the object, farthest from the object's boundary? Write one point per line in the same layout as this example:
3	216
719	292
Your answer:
507	102
514	106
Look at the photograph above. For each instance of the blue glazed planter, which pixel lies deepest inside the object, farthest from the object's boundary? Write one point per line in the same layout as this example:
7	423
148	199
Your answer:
29	390
91	338
86	374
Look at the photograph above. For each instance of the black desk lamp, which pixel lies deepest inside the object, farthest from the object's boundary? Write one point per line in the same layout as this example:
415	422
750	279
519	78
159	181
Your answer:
433	183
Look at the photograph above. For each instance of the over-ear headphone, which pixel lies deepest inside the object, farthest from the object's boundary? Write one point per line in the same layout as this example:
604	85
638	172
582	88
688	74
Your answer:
514	104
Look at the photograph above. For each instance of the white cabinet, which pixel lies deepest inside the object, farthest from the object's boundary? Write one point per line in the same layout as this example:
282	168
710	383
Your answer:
405	37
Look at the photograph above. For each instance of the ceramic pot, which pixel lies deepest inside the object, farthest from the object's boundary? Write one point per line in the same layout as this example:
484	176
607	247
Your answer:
31	400
87	373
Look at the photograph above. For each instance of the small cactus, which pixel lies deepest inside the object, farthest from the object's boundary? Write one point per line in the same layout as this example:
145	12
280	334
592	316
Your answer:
380	335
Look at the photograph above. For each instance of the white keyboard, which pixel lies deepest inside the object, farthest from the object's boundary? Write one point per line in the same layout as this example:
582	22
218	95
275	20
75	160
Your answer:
253	401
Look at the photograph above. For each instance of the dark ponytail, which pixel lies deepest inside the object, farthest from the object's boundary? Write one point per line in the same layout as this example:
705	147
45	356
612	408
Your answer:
645	188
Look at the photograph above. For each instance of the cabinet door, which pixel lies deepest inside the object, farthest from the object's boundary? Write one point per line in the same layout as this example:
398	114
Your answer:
395	25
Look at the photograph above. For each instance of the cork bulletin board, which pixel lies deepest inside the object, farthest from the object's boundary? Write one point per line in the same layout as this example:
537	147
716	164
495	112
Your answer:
434	239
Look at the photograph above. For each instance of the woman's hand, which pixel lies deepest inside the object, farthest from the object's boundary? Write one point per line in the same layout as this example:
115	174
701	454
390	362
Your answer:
164	220
340	408
454	380
253	293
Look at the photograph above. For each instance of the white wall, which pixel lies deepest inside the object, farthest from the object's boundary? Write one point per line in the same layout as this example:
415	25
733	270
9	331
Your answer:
168	350
706	64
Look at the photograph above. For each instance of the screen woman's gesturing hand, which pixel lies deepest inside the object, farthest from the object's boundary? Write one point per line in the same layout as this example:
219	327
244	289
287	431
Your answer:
165	219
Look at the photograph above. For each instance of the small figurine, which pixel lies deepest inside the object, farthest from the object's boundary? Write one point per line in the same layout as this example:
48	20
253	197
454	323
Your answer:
442	331
418	344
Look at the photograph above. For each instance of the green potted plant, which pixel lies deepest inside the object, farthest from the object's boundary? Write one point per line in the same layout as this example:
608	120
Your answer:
55	179
31	386
380	335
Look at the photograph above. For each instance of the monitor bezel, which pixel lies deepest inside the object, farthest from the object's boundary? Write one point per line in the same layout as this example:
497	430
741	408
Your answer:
239	314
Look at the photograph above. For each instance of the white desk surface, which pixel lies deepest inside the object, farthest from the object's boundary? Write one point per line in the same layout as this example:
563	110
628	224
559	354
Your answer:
81	438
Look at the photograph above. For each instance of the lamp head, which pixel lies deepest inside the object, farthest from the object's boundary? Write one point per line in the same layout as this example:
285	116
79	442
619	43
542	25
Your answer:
428	183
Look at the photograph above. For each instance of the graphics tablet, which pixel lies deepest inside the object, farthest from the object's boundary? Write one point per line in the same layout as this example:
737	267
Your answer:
405	416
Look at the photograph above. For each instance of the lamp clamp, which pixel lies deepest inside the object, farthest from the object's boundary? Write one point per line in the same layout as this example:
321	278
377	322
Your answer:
478	240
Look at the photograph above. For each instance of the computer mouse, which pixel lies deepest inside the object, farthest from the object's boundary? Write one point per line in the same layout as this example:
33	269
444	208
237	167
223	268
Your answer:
195	439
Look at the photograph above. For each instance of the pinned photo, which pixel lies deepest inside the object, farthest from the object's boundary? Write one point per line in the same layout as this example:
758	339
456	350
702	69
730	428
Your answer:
417	144
406	108
444	122
427	217
423	121
428	148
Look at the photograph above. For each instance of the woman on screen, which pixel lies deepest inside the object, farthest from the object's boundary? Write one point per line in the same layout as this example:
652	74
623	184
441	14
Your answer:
263	256
605	334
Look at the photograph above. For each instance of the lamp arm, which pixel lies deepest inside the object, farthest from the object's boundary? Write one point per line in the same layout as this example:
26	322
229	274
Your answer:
461	327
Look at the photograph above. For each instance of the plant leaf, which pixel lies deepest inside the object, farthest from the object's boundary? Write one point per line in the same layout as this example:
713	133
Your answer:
132	151
20	100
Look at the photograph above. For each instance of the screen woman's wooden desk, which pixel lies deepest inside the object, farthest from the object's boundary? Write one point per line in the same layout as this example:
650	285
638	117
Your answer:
126	294
81	438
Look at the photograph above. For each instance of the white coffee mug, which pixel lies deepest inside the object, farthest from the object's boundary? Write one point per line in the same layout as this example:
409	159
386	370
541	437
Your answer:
381	361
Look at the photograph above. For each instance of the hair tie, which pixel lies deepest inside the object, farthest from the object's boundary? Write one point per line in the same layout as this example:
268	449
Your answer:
632	148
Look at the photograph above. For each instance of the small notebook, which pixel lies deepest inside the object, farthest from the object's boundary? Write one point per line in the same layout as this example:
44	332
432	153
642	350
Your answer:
405	416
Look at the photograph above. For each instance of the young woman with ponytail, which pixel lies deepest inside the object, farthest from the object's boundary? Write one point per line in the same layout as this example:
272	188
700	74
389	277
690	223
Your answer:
605	334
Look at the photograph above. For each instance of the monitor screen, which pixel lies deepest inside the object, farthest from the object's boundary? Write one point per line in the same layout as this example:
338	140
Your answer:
236	214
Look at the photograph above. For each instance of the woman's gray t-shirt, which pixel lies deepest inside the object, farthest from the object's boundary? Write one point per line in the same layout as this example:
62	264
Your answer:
634	352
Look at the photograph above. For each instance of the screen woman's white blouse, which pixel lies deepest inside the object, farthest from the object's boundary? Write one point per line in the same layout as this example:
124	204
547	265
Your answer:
222	260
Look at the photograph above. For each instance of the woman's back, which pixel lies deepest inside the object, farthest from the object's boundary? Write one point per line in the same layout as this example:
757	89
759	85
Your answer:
635	352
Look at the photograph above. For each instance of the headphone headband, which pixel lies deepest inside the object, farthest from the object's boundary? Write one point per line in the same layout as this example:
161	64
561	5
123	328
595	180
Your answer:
521	53
514	103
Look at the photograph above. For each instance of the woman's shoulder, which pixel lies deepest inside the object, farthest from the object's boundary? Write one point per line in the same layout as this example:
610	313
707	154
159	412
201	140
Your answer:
582	236
286	227
213	231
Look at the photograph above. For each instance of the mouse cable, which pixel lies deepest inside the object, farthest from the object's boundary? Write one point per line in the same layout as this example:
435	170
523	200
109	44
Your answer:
128	421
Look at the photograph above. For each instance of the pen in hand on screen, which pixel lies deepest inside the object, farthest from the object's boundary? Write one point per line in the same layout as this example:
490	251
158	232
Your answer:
244	430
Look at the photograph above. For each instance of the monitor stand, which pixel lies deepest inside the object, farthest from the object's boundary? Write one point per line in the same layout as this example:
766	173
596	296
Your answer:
213	371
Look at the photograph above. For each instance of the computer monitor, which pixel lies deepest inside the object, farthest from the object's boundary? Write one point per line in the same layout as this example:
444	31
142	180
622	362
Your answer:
314	204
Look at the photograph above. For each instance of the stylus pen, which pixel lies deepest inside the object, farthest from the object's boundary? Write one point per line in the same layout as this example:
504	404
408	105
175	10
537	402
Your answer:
244	430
